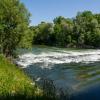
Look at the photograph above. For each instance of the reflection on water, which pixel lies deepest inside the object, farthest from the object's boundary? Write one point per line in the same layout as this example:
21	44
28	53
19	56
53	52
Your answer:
76	69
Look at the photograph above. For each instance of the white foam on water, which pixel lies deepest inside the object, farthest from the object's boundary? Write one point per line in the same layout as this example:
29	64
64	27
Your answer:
52	57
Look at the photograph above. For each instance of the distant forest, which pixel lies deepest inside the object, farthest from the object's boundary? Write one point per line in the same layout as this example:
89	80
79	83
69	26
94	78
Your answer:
82	31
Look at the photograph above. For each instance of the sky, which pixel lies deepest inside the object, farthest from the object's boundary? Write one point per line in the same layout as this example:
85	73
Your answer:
47	10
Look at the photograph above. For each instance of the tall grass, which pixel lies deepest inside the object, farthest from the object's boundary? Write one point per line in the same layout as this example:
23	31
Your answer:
14	83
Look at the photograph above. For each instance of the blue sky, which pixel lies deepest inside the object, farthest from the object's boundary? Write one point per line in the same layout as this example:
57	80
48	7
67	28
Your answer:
47	10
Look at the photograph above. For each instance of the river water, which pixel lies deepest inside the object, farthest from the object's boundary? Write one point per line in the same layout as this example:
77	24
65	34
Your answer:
76	70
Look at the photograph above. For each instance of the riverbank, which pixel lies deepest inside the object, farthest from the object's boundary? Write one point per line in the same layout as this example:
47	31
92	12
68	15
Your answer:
14	84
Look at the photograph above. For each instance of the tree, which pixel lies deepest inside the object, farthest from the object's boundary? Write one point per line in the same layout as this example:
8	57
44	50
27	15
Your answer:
85	29
43	33
27	39
14	20
63	28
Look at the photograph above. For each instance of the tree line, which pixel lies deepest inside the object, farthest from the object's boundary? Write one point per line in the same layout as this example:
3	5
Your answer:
82	31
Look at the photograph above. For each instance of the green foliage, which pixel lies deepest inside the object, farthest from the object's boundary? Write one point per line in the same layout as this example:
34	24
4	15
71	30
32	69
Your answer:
43	34
27	39
63	30
14	19
86	28
83	31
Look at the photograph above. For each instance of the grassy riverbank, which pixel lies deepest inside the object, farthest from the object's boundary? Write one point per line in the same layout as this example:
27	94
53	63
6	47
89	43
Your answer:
14	84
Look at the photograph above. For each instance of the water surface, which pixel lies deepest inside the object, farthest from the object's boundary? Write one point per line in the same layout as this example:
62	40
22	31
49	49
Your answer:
78	70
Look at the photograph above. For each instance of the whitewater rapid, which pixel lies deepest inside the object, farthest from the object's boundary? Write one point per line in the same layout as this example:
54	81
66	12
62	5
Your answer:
58	57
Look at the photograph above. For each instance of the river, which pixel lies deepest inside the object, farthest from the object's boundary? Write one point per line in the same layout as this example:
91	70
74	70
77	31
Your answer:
75	69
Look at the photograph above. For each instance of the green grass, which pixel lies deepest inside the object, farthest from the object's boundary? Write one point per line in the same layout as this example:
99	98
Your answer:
14	84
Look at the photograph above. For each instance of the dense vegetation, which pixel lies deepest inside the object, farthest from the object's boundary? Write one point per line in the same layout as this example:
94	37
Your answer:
14	84
14	21
83	31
